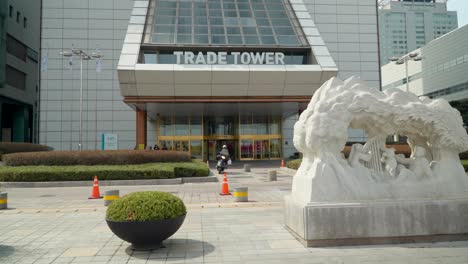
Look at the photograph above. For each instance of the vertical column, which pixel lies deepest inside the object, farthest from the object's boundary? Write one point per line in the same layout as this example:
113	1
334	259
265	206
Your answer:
20	128
141	129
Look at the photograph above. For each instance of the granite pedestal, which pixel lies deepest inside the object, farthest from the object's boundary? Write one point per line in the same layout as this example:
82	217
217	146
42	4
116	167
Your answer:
377	222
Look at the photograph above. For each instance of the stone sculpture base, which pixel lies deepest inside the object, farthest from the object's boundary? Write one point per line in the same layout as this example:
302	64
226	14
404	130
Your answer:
387	222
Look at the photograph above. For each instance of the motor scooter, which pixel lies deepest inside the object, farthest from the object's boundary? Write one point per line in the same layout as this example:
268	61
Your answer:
221	165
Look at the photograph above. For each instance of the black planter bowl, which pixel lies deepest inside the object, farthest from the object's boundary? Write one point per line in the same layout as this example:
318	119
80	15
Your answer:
146	235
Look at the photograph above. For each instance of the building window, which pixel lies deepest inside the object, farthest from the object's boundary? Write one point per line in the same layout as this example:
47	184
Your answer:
16	48
25	22
15	78
18	15
11	11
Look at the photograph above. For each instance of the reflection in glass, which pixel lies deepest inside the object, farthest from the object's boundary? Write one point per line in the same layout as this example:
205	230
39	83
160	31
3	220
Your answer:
252	15
218	39
163	38
275	148
185	20
181	126
165	145
150	58
246	149
200	39
268	40
260	125
234	39
196	126
275	126
196	148
246	125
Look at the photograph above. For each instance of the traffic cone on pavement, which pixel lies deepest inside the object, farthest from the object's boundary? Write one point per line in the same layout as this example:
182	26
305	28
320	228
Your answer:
282	163
95	194
225	186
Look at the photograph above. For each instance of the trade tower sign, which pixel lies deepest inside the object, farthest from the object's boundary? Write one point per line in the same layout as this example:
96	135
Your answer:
269	58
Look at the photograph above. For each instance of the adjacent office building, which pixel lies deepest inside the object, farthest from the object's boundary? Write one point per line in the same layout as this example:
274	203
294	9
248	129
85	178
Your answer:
19	49
406	25
195	75
442	72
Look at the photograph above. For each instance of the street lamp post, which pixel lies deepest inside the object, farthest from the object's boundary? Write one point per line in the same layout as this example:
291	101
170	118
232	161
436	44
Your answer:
404	59
83	57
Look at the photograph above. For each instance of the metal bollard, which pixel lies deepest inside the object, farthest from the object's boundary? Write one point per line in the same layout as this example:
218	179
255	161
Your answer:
272	175
246	167
3	201
241	194
110	196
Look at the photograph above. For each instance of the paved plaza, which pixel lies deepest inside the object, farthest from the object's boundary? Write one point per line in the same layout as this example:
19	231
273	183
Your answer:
60	225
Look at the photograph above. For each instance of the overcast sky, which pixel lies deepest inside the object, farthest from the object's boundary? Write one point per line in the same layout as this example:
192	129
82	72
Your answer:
461	6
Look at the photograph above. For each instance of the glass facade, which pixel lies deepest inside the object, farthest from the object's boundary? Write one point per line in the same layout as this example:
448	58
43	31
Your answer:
246	136
224	22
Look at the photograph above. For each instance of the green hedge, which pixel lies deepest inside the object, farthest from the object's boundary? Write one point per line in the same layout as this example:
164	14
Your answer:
294	164
146	206
104	172
94	157
11	147
465	164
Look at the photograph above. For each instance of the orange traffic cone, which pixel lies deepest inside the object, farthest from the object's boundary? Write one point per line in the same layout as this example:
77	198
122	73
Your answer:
282	163
95	194
225	186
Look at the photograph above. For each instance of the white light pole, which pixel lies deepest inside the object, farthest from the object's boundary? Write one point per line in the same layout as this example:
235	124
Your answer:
404	59
83	56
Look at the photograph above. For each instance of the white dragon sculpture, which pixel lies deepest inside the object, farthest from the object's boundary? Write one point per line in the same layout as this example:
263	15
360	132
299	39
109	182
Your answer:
435	134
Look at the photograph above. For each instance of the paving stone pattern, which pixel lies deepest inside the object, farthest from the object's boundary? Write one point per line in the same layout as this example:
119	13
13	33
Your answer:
59	225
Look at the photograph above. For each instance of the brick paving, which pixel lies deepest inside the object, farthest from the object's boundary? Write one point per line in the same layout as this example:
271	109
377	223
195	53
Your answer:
59	225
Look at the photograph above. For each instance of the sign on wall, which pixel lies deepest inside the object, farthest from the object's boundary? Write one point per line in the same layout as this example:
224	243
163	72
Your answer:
268	58
109	142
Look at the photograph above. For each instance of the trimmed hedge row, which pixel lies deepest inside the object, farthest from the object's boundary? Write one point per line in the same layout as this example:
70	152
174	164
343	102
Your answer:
12	147
294	164
104	172
94	157
465	164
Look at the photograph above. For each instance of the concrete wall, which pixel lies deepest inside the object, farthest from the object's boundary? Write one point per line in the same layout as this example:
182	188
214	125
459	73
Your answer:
88	25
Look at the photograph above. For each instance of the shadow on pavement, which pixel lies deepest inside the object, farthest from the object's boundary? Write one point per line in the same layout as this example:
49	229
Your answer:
6	251
183	248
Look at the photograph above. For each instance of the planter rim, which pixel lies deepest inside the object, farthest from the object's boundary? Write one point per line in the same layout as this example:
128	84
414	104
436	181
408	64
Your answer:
150	221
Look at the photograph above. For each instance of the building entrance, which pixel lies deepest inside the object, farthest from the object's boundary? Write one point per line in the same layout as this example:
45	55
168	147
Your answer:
247	137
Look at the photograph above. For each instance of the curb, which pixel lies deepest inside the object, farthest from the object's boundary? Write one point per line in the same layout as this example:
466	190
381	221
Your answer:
288	171
109	183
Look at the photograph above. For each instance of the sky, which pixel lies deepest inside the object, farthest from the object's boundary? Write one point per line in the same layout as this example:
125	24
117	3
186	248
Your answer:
461	6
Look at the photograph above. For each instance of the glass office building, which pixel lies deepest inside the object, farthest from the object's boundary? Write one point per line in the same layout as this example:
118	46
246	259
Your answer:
194	75
213	73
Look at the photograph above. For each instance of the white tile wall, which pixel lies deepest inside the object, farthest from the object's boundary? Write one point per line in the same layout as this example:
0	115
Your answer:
349	30
87	25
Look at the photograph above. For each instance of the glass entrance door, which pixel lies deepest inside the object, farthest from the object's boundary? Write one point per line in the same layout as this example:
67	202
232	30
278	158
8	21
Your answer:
214	146
261	149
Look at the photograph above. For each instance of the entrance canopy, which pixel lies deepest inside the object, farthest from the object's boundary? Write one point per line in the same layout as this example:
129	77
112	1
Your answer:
280	109
164	59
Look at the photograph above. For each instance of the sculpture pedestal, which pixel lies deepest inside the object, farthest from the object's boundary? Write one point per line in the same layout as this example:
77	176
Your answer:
386	222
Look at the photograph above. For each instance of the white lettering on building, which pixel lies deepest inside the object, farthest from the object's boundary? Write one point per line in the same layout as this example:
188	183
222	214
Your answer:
269	58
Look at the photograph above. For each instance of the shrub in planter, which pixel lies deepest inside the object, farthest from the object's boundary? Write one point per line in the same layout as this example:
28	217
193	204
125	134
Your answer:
146	219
